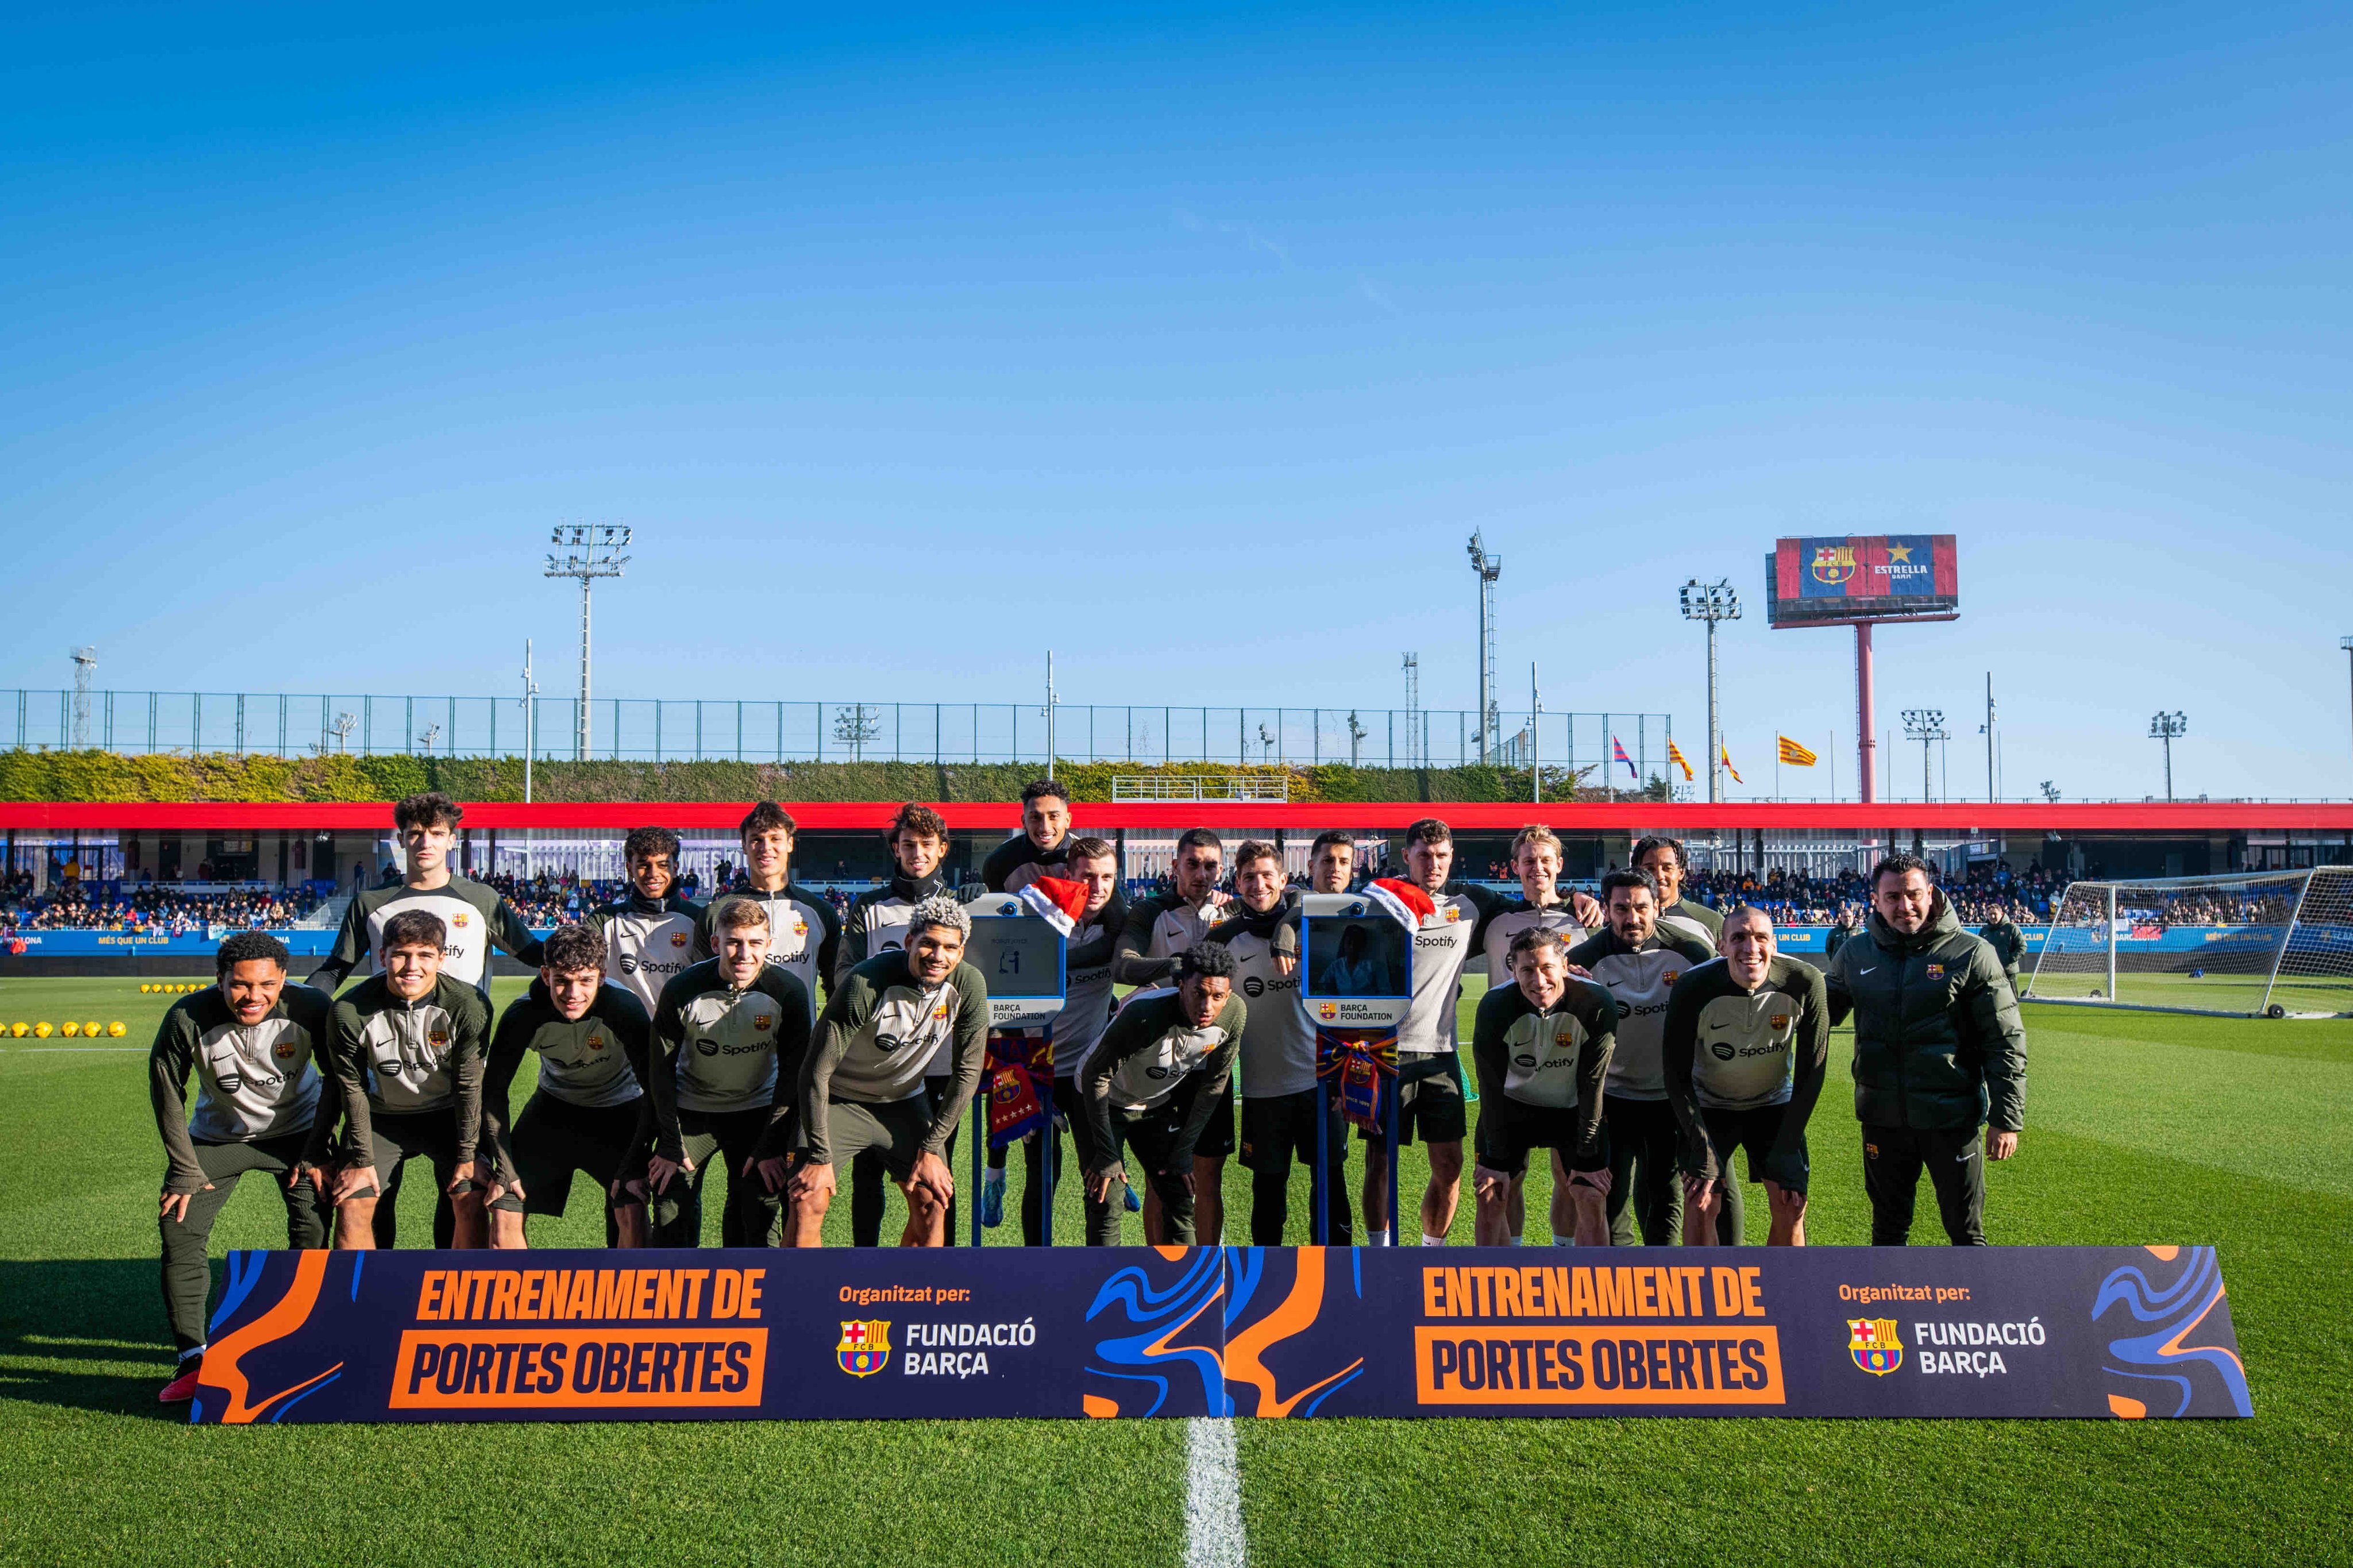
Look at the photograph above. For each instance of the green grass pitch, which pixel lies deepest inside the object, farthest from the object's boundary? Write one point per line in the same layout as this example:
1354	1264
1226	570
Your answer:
2141	1128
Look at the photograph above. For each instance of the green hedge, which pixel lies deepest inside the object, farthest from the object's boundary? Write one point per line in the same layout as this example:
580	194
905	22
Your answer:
220	776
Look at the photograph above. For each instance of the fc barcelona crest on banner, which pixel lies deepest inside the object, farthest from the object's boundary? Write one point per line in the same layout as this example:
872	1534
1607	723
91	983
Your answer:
865	1347
1874	1344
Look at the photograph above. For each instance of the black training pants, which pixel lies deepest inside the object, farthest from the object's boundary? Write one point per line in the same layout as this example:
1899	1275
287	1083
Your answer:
1892	1161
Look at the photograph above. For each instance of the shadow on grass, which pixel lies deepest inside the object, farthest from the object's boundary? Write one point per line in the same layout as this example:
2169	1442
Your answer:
71	1331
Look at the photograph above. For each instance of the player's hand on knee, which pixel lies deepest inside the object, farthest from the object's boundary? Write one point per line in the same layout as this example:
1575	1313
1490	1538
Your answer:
175	1205
811	1183
1594	1182
774	1172
1784	1200
659	1171
2000	1146
1101	1183
1698	1191
932	1174
354	1182
1490	1186
469	1181
317	1176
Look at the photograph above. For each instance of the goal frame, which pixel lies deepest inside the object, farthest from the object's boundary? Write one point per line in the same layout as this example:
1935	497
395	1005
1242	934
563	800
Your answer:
2302	877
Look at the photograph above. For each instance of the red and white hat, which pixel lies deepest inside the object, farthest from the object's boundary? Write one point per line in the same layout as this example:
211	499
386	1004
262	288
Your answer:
1060	902
1410	906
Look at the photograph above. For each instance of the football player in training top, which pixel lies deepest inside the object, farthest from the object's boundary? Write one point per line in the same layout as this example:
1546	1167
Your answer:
1939	1052
404	1049
862	1087
252	1040
802	930
1280	1094
1041	845
1159	928
1663	859
1542	1044
1536	862
649	935
1429	1069
589	1112
1747	1040
1640	960
1165	1061
474	915
731	1035
877	922
1093	864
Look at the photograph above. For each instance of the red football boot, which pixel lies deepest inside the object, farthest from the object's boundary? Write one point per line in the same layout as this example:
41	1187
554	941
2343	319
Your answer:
183	1386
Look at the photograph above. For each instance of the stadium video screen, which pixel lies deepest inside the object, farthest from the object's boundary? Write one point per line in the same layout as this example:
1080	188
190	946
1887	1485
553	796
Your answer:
1862	577
1017	957
1355	955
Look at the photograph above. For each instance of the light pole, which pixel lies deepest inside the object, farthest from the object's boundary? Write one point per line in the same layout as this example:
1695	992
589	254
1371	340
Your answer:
1926	725
1053	701
2167	727
1988	735
530	712
1488	568
2346	644
591	548
1711	602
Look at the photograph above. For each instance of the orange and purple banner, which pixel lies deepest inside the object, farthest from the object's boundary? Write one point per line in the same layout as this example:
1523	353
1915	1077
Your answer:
856	1334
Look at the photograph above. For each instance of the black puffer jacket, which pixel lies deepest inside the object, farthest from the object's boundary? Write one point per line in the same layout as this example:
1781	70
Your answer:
1937	1041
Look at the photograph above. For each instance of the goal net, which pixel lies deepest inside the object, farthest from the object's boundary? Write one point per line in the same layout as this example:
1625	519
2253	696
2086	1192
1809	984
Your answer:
2269	943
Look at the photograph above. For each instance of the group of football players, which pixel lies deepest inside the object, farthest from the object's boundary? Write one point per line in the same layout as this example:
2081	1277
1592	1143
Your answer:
1638	1037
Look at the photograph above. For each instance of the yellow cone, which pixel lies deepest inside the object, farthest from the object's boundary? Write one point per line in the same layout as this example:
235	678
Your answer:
116	1029
41	1030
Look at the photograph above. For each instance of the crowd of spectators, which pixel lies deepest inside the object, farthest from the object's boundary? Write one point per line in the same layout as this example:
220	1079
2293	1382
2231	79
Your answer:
1795	898
148	908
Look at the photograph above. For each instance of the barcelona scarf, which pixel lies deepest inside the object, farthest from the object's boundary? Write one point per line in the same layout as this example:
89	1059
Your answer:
1360	1064
1020	1077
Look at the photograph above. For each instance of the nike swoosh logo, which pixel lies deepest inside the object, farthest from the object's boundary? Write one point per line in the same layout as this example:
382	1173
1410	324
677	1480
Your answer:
1873	969
1965	1157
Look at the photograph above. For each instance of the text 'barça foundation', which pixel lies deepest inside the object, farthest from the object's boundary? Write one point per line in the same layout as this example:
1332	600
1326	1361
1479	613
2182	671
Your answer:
1258	1331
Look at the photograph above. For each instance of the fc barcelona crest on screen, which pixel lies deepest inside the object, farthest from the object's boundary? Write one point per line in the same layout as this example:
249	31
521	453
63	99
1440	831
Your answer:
1875	1345
864	1349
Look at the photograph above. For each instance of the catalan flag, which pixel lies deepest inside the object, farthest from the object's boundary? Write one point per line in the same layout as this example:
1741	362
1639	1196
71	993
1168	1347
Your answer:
1675	755
1617	755
1725	757
1795	754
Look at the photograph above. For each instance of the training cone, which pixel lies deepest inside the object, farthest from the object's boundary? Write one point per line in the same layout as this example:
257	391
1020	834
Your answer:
116	1029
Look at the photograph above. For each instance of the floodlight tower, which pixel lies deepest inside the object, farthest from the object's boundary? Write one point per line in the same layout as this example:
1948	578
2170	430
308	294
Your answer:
1488	568
590	554
2168	728
1711	602
1413	708
2346	644
1926	725
85	662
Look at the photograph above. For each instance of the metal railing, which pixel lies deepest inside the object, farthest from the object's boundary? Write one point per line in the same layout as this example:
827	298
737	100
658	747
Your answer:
292	725
1236	789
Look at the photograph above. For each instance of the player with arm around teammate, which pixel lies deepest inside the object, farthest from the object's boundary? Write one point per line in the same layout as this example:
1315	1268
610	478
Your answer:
588	1112
254	1043
648	933
803	931
1151	1084
1542	1044
731	1035
1664	860
406	1049
1747	1044
1640	960
1041	846
1159	928
862	1087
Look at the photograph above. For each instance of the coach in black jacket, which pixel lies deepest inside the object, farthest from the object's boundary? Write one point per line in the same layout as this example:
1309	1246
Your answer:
1938	1052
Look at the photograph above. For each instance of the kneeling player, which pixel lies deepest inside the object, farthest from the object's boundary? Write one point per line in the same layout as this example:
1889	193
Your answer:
251	1040
863	1086
1542	1046
1746	1042
407	1051
1160	1071
589	1112
733	1032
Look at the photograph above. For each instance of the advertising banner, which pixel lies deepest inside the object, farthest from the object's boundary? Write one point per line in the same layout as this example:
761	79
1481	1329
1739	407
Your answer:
1265	1332
1896	577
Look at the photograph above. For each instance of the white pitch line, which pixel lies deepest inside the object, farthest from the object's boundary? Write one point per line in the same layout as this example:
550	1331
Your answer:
1213	1497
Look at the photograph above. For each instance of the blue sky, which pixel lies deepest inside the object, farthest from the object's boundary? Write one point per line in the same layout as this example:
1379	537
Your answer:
1193	344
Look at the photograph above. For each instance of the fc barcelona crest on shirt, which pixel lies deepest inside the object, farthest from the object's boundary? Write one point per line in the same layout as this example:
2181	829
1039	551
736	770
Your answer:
460	919
865	1347
1936	971
1780	1020
762	1020
1874	1344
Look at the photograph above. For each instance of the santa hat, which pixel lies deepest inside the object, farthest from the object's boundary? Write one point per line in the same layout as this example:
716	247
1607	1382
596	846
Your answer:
1410	906
1059	901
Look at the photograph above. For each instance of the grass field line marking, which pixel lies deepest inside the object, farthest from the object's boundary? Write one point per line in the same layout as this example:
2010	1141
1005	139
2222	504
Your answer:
1213	1497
